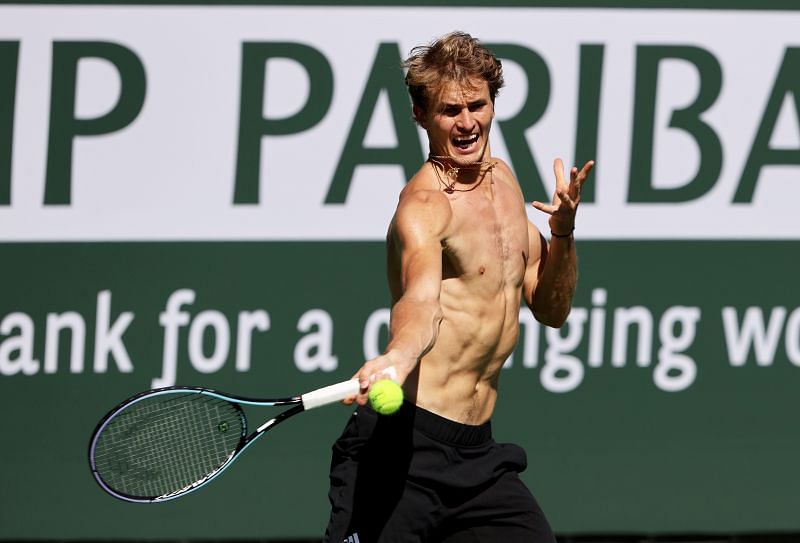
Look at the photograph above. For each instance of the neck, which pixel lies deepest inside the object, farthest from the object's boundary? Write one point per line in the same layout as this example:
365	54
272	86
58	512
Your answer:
455	176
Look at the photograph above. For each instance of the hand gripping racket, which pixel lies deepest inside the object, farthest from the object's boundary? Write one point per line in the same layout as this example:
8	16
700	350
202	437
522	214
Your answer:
164	443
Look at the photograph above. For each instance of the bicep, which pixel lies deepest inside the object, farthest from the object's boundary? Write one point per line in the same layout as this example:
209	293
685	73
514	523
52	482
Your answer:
419	228
421	271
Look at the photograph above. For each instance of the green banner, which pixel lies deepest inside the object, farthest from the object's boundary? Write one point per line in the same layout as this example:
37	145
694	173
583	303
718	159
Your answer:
665	405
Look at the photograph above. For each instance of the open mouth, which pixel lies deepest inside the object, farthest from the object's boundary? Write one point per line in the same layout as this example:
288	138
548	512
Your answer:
465	142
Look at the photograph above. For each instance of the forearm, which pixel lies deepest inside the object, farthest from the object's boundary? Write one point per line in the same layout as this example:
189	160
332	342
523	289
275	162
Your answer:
414	329
554	287
552	299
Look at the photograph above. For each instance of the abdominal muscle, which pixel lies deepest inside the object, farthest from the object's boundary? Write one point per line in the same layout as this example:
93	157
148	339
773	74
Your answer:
458	377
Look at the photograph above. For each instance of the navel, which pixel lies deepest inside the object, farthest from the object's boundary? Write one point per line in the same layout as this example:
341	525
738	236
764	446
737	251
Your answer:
481	270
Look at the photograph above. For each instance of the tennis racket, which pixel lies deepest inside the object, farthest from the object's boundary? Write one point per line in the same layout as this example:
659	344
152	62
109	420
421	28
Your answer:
164	443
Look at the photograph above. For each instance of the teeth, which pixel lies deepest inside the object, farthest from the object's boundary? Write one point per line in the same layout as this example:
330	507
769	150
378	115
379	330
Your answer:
466	139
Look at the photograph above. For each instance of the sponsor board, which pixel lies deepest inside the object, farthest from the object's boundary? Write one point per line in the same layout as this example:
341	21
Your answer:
141	122
665	402
198	194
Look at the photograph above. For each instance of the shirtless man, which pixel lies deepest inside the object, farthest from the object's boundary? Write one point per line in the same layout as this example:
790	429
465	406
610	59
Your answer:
461	256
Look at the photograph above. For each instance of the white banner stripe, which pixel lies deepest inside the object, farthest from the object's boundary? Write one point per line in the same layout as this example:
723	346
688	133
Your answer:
170	173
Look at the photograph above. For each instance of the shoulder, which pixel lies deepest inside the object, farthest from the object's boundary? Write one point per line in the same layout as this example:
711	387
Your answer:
504	174
422	209
502	167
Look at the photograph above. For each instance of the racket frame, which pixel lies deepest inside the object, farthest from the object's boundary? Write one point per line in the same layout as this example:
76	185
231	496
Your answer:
310	400
244	440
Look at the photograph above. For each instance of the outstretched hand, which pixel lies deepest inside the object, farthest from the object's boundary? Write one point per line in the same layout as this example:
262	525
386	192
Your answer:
566	198
385	366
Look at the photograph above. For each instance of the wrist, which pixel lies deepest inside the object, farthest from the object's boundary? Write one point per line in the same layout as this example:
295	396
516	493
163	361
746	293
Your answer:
565	234
400	356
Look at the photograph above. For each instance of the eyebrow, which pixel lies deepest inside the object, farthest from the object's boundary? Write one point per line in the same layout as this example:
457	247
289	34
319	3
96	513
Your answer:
478	102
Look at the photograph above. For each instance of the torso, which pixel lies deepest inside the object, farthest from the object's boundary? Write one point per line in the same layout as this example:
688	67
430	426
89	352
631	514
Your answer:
484	259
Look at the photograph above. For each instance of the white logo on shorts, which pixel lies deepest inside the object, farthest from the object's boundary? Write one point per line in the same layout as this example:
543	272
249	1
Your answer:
352	539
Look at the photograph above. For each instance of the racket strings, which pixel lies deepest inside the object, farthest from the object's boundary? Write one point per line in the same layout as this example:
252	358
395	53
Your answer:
162	445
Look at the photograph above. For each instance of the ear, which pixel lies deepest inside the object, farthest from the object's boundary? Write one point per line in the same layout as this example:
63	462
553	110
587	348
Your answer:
419	116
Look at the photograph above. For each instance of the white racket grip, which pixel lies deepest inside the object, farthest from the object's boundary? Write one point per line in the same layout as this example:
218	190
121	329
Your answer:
340	391
330	394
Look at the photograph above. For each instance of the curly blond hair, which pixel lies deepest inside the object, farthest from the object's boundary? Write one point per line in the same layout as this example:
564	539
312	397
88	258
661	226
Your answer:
456	57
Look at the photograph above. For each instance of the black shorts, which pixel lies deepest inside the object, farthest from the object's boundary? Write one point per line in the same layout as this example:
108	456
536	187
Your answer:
416	476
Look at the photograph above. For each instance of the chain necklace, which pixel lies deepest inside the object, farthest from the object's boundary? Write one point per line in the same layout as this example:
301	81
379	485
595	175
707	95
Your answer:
451	172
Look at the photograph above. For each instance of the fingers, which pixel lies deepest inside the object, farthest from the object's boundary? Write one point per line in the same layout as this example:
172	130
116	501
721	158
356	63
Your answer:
561	197
554	209
563	194
582	175
575	183
587	168
546	208
567	196
576	178
558	170
370	373
350	399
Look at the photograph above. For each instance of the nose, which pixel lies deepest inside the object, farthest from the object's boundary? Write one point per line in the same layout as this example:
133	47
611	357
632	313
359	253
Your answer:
465	122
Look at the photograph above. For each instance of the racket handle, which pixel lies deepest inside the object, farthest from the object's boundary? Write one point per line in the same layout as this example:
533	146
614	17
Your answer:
340	391
330	394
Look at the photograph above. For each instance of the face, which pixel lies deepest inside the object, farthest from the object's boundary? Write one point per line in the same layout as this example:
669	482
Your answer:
458	122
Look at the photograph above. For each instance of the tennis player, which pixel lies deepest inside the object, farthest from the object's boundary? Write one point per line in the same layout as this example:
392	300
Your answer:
461	256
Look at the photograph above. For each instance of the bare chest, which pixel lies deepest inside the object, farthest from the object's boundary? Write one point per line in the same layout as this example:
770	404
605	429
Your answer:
490	240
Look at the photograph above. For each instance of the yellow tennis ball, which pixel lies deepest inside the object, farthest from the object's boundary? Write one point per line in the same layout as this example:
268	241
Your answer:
386	397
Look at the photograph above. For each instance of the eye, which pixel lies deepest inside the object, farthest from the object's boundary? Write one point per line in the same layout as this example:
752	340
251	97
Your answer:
451	111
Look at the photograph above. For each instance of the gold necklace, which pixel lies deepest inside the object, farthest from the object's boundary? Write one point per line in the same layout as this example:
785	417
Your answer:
452	172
